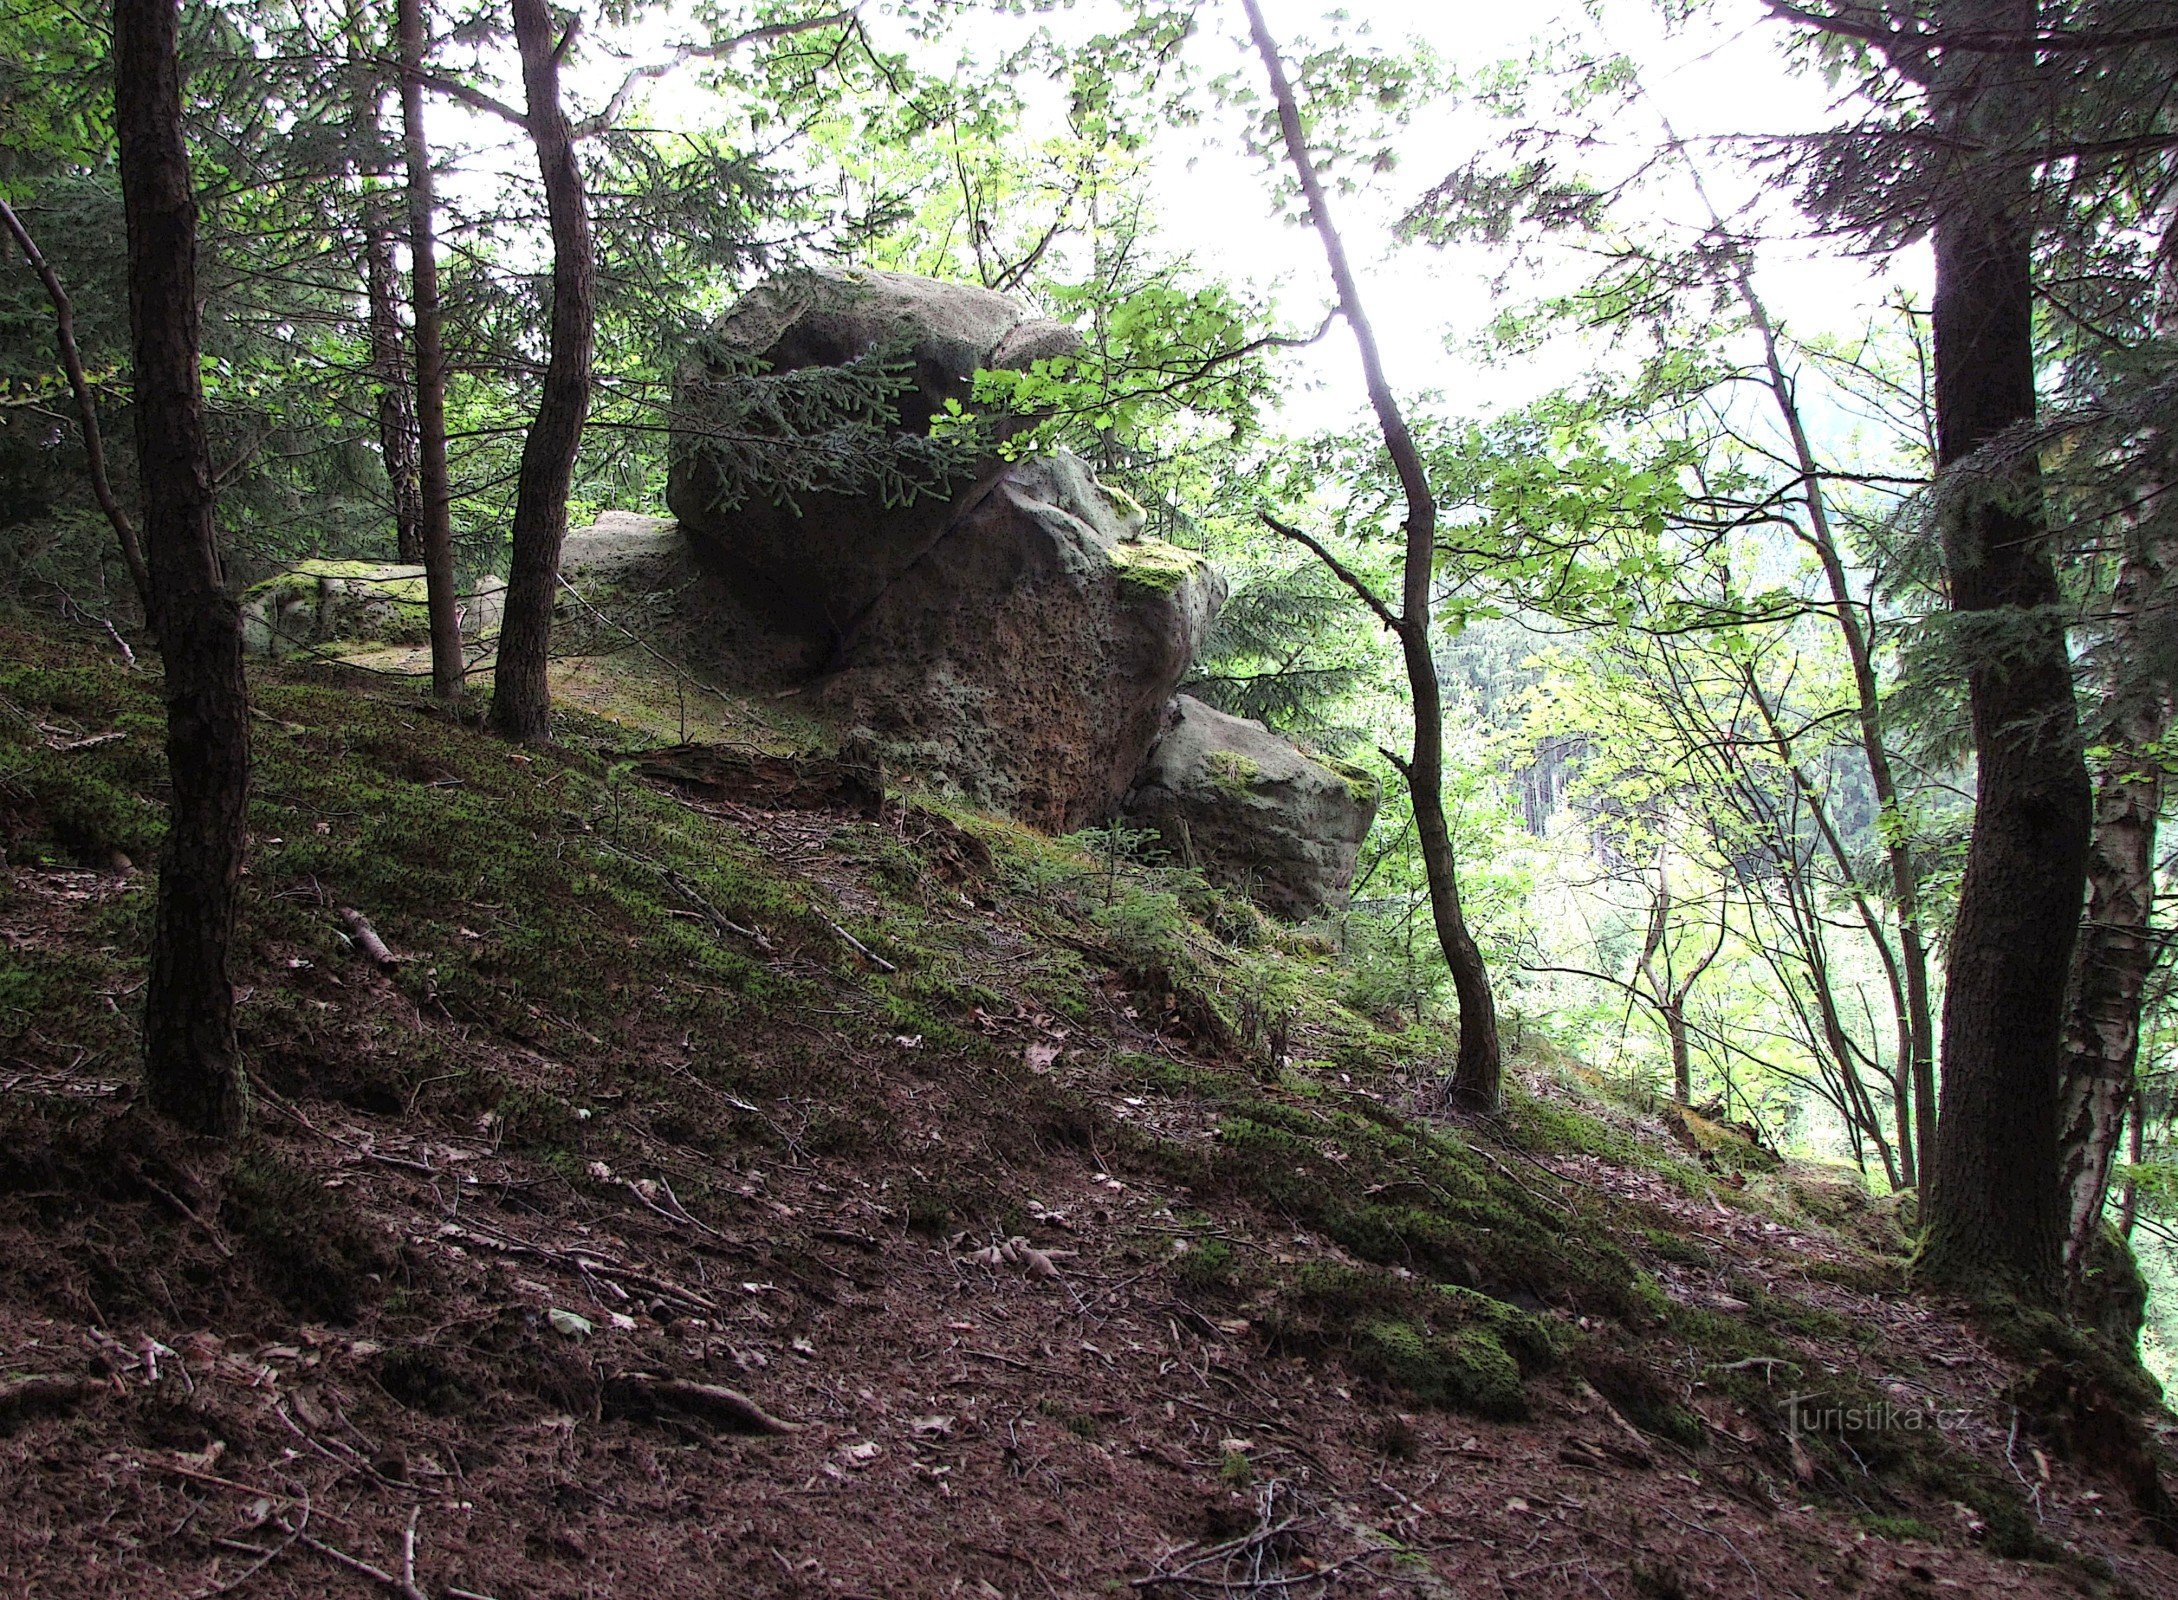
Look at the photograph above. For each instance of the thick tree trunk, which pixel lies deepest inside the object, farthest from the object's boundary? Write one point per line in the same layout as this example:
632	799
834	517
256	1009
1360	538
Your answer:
397	444
1476	1076
521	693
94	437
191	1071
436	536
1995	1217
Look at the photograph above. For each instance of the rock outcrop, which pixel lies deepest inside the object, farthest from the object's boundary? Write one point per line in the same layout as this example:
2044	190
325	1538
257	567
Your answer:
1254	813
818	560
318	603
1029	652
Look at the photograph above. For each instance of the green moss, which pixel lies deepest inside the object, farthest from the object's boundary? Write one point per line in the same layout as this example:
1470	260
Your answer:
1359	780
383	604
1233	772
1153	566
1206	1268
1466	1371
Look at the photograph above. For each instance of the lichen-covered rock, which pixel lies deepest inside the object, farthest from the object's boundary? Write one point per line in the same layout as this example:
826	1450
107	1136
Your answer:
1029	653
818	562
1254	813
318	603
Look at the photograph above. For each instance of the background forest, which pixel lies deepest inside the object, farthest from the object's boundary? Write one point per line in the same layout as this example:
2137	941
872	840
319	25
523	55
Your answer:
1709	763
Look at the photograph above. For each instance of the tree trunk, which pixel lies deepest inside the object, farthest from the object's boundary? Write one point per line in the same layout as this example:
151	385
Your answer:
521	692
2117	946
94	437
191	1070
1917	1034
436	534
1476	1076
397	445
1995	1217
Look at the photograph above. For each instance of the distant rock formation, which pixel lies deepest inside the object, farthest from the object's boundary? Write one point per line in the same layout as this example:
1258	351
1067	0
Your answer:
1247	807
318	603
818	563
1029	653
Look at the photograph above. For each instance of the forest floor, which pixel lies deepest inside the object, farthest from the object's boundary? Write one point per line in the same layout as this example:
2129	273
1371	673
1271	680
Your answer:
717	1200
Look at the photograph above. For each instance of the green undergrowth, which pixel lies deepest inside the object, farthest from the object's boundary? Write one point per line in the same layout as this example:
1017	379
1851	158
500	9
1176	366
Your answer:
543	893
545	899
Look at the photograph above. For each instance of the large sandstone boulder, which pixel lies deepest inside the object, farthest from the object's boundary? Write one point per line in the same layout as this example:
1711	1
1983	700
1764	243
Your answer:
1243	804
1029	652
816	561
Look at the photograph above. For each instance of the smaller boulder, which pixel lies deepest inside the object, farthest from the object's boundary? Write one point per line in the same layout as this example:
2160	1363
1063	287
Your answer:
318	603
1253	812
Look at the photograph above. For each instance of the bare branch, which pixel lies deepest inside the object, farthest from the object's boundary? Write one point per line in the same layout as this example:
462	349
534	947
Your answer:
94	441
1345	574
691	51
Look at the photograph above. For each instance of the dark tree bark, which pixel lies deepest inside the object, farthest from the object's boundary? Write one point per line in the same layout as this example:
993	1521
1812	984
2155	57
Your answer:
94	437
1476	1077
1995	1219
436	536
397	443
191	1071
521	692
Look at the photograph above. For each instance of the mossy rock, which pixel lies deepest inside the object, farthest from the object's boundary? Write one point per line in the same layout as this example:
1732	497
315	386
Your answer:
1151	564
1252	811
325	602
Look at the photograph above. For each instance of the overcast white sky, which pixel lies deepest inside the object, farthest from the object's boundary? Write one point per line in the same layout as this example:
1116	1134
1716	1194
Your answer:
1723	76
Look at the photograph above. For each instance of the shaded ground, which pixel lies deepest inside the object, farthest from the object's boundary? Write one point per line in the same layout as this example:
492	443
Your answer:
688	1091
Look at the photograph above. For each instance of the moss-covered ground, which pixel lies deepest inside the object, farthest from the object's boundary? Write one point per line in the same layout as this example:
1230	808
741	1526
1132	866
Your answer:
787	1072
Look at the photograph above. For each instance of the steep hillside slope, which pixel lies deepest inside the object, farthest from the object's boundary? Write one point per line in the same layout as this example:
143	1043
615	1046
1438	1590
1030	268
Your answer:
715	1199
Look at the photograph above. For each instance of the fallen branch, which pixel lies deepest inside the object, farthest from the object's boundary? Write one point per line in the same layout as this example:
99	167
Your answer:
640	1394
367	936
92	743
869	955
405	1586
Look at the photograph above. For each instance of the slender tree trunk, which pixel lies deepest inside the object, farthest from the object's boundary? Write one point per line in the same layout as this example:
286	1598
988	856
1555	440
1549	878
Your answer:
94	438
1668	1003
436	534
191	1070
1477	1074
1908	970
397	446
2117	945
1903	1078
521	692
1995	1216
1916	1020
